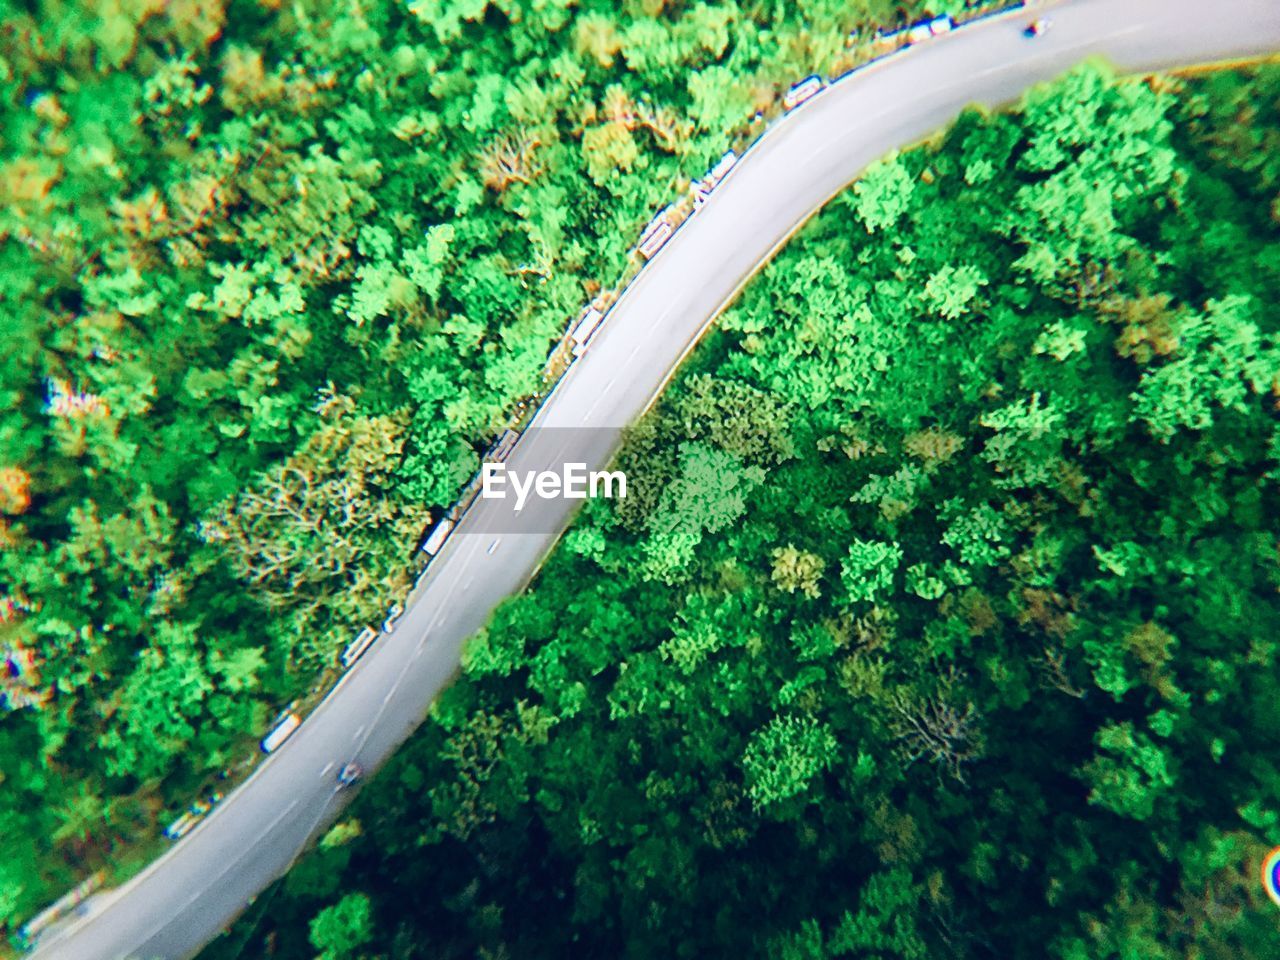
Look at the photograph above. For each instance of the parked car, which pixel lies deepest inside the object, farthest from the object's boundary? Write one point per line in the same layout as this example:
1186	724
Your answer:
281	731
802	91
436	538
356	648
588	322
181	827
657	233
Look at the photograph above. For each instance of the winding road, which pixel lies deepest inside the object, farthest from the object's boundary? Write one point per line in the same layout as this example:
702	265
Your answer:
183	899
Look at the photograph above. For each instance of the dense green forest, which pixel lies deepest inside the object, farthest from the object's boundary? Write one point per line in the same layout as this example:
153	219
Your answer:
272	275
942	618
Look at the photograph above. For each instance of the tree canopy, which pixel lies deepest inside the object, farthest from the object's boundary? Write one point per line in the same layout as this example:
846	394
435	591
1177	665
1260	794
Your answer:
965	649
274	274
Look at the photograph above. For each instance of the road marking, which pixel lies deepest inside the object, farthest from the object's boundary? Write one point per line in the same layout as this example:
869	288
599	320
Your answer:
327	769
1060	49
492	547
358	732
250	849
1000	69
387	698
599	397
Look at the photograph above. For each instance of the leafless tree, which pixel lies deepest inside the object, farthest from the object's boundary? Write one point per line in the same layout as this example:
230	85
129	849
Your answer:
935	730
508	159
1053	669
305	525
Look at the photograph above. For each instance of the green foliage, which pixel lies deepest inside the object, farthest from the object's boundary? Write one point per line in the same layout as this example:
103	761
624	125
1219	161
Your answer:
784	756
1130	773
868	571
885	924
883	194
1028	420
274	275
341	930
708	495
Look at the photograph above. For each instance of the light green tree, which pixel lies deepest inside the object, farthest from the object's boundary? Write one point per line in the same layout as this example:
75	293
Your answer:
868	570
784	756
342	929
883	194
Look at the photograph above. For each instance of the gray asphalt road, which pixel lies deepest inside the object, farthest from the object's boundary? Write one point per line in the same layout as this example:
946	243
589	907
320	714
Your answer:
185	898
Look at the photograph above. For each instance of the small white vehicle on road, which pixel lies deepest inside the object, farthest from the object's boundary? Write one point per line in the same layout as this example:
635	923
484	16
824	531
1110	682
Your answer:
587	324
657	233
702	189
356	648
285	725
181	827
802	91
435	540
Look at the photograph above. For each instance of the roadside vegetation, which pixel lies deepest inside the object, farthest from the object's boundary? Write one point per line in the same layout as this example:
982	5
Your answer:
273	274
942	619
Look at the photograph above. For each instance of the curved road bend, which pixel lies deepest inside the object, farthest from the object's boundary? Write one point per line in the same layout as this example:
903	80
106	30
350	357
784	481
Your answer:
187	896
